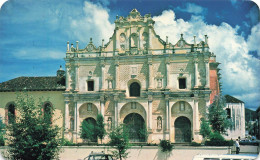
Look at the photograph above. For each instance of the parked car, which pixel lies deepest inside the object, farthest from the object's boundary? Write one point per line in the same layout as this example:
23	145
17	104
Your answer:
225	157
248	142
98	156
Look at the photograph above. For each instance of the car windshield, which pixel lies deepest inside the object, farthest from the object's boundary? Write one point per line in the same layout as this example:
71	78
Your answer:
100	157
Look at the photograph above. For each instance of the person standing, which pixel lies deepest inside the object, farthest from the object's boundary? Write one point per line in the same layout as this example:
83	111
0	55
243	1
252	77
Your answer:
237	146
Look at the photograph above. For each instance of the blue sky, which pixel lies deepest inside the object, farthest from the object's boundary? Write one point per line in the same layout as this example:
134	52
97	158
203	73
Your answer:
33	34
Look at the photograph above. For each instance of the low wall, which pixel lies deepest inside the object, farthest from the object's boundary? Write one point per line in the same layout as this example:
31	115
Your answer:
150	152
144	153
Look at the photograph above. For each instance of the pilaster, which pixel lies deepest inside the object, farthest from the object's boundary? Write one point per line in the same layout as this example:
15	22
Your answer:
196	73
207	73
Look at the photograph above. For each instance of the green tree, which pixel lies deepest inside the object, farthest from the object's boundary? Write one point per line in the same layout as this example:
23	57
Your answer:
119	139
218	116
143	133
87	131
205	129
2	132
100	128
31	136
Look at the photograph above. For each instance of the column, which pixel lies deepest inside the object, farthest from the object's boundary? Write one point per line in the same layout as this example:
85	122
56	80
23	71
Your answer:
116	113
103	76
150	75
116	75
169	120
66	115
75	123
150	115
116	40
116	110
67	78
167	75
207	74
140	40
102	107
150	38
75	117
195	116
76	78
167	115
196	73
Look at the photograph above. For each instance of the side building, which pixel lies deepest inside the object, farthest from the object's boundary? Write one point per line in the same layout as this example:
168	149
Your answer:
49	89
236	114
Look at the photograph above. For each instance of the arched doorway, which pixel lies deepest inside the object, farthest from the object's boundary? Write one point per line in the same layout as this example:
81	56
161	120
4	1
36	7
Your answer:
134	89
135	125
89	129
182	130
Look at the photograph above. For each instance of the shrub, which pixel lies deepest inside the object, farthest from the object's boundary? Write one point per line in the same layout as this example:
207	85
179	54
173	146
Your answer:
216	139
166	146
195	144
66	142
215	136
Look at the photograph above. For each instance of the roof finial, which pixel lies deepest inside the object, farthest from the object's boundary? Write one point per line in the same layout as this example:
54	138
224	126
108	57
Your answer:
77	45
90	39
102	42
206	39
181	36
68	46
194	40
166	39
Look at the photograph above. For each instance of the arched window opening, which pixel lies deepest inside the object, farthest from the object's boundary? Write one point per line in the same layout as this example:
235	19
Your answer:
47	112
135	90
159	122
11	114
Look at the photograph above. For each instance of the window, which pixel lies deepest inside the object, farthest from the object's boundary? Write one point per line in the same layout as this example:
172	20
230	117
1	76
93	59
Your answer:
159	122
135	90
11	113
182	83
228	113
90	85
89	107
182	106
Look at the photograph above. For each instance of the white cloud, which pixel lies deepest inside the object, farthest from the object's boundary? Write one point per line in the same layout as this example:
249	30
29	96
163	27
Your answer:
254	39
239	69
95	24
2	2
192	8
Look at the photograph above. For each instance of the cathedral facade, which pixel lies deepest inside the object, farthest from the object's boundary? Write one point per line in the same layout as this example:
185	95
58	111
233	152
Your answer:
137	79
142	81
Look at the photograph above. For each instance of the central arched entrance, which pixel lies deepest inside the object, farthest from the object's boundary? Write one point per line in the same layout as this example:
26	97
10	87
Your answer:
182	130
136	127
90	129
